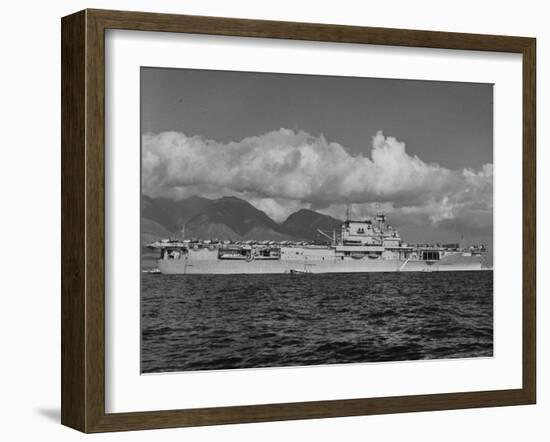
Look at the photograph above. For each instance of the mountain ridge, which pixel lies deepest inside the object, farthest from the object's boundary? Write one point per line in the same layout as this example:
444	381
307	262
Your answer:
227	218
307	222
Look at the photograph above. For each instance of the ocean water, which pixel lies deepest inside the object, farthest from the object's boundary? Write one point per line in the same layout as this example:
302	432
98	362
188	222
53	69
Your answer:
213	322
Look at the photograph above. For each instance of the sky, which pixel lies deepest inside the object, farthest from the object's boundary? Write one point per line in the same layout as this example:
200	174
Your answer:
422	151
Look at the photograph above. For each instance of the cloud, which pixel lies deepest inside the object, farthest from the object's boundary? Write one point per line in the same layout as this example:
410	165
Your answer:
284	170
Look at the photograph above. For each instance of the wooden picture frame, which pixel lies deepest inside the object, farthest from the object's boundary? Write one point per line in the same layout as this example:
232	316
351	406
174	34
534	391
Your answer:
83	220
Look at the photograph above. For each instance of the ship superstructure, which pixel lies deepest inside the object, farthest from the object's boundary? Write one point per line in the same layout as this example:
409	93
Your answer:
368	245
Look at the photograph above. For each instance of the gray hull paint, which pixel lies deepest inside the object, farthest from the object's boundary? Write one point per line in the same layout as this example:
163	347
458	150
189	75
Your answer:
227	267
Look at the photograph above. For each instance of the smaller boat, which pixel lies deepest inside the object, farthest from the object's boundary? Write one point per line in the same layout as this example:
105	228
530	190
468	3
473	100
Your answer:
297	272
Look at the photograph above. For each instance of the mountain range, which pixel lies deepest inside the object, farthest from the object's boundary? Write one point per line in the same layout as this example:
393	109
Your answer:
226	218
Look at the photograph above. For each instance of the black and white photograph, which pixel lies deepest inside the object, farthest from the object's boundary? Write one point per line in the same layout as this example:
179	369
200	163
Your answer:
295	220
259	221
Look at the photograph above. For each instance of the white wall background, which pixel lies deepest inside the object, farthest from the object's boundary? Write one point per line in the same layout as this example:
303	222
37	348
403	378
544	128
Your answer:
30	187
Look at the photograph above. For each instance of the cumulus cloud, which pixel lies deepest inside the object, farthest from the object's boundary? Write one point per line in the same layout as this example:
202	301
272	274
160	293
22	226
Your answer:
284	170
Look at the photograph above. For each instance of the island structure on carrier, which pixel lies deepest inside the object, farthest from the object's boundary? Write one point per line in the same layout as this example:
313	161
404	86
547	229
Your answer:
369	245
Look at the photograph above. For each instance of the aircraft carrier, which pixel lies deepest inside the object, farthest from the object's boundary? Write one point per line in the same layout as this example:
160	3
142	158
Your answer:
368	245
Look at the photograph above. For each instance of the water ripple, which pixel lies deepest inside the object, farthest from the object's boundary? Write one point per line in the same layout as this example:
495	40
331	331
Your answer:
216	322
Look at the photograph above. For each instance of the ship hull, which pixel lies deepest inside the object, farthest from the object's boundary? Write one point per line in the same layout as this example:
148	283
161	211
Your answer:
229	267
